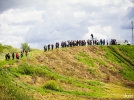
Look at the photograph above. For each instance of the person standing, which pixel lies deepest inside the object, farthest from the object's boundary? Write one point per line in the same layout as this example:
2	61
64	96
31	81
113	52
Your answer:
17	56
26	52
104	42
92	37
45	48
13	56
107	42
21	54
8	56
48	47
52	46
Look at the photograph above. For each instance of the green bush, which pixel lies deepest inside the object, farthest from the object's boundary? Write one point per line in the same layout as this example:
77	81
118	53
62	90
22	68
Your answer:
52	85
26	69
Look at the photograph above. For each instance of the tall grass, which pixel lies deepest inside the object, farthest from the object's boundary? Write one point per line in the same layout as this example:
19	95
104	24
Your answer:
52	85
118	57
10	90
26	69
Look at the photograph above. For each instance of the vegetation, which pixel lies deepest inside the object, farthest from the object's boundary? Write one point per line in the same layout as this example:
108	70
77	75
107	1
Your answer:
104	72
6	49
52	85
24	46
10	90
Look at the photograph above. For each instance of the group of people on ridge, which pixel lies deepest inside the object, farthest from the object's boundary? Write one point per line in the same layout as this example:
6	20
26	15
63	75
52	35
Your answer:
71	43
16	55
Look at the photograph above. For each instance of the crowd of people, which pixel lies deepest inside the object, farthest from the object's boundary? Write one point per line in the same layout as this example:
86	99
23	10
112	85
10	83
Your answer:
16	55
72	43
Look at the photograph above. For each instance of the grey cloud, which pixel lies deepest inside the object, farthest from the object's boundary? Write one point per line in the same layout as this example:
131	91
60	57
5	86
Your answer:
128	18
7	4
130	13
126	25
132	1
13	4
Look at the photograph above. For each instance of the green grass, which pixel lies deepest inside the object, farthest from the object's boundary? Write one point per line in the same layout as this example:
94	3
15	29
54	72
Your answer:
91	71
127	50
26	69
52	85
85	59
7	62
10	90
113	55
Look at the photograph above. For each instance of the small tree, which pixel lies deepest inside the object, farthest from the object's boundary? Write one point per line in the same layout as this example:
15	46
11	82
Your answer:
24	46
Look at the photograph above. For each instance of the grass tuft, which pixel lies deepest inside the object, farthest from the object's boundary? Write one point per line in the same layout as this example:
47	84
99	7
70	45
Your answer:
52	85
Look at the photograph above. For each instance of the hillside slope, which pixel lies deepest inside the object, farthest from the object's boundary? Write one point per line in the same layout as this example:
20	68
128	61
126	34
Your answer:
85	72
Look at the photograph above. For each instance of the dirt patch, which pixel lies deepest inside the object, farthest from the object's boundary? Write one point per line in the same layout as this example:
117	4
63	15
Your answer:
33	80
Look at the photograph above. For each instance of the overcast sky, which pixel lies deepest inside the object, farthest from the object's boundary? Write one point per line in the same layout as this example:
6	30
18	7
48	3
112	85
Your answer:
40	22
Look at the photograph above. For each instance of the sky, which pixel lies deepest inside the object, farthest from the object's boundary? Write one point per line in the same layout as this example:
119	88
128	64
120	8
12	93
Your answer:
43	22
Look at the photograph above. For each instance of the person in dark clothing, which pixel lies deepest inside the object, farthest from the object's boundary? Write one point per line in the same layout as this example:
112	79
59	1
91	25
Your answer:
57	45
101	41
26	52
45	48
88	42
92	36
104	42
13	56
62	44
21	54
52	46
48	47
77	42
107	42
8	55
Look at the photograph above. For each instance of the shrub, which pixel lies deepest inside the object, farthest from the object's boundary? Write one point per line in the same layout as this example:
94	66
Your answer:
52	85
26	69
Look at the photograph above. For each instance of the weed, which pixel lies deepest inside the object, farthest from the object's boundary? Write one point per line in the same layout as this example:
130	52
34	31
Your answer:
52	85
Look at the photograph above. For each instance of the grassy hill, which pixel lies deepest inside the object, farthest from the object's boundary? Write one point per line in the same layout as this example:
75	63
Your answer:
73	73
4	49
